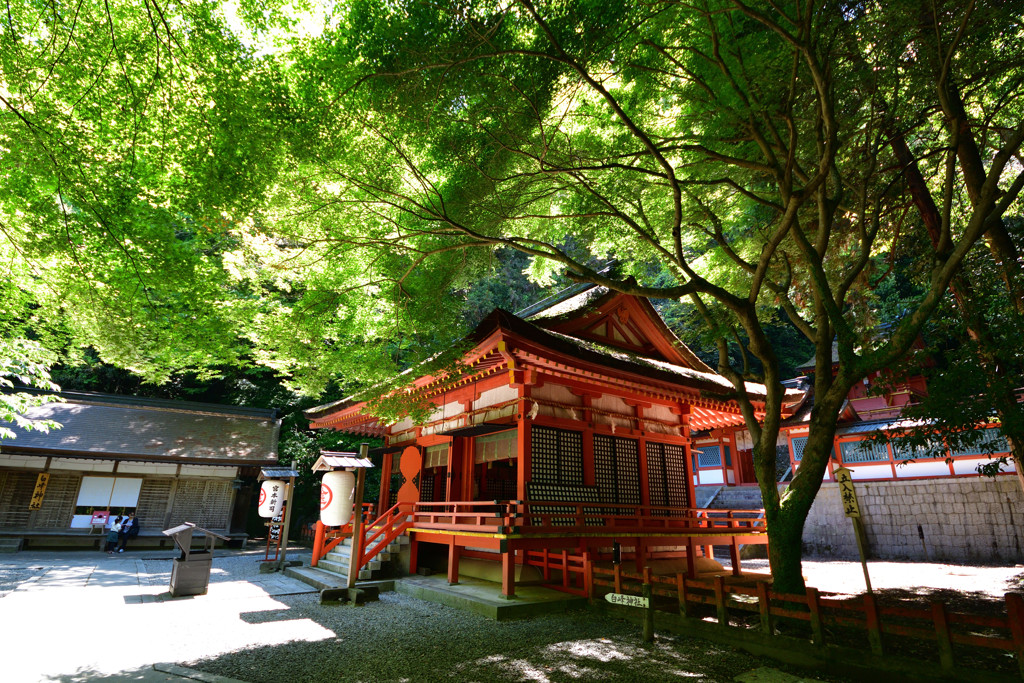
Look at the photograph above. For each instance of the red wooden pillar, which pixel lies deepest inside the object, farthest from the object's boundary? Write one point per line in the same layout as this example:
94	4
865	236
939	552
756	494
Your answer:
523	445
414	551
508	574
383	500
734	556
456	471
318	542
453	563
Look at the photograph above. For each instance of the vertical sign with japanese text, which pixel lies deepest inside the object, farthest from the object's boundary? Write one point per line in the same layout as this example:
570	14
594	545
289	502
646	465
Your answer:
36	502
847	496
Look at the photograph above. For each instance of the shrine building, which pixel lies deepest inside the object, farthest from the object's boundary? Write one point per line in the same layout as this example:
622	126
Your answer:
565	438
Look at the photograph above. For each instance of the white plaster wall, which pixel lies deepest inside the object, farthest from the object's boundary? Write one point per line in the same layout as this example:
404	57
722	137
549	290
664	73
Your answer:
969	519
208	471
82	464
151	468
499	394
936	467
33	462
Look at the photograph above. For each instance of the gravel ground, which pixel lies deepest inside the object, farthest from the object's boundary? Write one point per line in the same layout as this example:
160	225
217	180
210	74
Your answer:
264	627
401	638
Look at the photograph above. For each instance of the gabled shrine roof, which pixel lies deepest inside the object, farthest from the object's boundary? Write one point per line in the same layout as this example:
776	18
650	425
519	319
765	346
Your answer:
117	427
568	334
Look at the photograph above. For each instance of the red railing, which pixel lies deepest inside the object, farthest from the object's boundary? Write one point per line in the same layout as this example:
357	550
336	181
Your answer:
573	571
379	534
825	617
556	516
492	516
540	517
326	538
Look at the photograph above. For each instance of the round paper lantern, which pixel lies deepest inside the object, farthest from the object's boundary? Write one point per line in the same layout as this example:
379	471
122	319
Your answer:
336	491
271	497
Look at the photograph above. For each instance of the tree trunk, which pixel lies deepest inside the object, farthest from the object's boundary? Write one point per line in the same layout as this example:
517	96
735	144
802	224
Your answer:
785	515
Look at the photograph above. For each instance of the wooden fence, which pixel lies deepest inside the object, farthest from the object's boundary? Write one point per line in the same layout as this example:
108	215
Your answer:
830	618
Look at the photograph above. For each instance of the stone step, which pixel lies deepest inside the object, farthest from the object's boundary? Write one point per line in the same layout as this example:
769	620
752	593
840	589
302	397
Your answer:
343	561
398	542
10	545
323	580
341	570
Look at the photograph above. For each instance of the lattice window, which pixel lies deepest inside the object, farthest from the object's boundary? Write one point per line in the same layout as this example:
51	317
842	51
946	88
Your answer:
151	510
502	489
709	456
992	441
203	502
666	475
617	469
864	451
675	475
569	493
799	443
15	494
427	487
556	456
396	483
902	449
58	503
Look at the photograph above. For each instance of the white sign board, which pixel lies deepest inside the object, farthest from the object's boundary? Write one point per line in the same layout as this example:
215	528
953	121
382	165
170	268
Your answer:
628	600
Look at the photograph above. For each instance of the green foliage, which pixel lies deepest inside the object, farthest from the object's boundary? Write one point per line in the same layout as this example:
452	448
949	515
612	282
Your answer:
27	363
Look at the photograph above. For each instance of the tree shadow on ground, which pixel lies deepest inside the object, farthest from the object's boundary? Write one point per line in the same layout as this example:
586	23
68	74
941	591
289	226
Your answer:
402	639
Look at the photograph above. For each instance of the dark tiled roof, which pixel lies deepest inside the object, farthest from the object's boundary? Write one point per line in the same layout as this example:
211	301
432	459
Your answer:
129	428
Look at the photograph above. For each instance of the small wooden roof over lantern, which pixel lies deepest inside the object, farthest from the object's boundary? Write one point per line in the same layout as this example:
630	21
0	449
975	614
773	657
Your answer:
277	473
334	460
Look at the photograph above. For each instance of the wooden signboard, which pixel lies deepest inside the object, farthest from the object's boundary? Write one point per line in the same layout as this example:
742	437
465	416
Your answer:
847	494
851	508
36	502
628	600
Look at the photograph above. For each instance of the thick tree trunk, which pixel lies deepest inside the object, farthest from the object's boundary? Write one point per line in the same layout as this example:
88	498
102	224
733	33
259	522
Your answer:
786	514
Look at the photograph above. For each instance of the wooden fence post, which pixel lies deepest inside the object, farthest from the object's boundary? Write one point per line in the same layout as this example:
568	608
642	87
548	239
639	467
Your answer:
873	623
681	593
764	606
723	614
942	635
1015	615
588	575
814	608
649	610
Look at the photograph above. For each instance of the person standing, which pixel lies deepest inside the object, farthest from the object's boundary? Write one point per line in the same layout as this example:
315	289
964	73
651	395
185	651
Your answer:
113	536
130	529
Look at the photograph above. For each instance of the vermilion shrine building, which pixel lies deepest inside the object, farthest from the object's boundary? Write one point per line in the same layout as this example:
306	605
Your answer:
566	437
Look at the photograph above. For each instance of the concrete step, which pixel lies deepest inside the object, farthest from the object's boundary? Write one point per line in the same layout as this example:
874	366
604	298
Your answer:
324	580
343	562
342	554
737	498
10	545
342	569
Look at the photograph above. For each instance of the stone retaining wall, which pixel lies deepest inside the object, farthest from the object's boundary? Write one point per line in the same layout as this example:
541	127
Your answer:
967	519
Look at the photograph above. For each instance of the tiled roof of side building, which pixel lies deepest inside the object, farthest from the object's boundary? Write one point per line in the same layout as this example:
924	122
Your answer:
130	428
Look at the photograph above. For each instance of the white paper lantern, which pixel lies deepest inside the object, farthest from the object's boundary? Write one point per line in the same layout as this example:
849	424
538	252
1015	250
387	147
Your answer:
271	497
336	492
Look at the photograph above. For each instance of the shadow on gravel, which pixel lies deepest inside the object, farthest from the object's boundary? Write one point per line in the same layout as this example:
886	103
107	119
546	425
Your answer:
145	673
403	639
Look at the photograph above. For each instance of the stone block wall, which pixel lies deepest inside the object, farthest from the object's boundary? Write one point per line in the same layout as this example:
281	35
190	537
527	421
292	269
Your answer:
964	520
